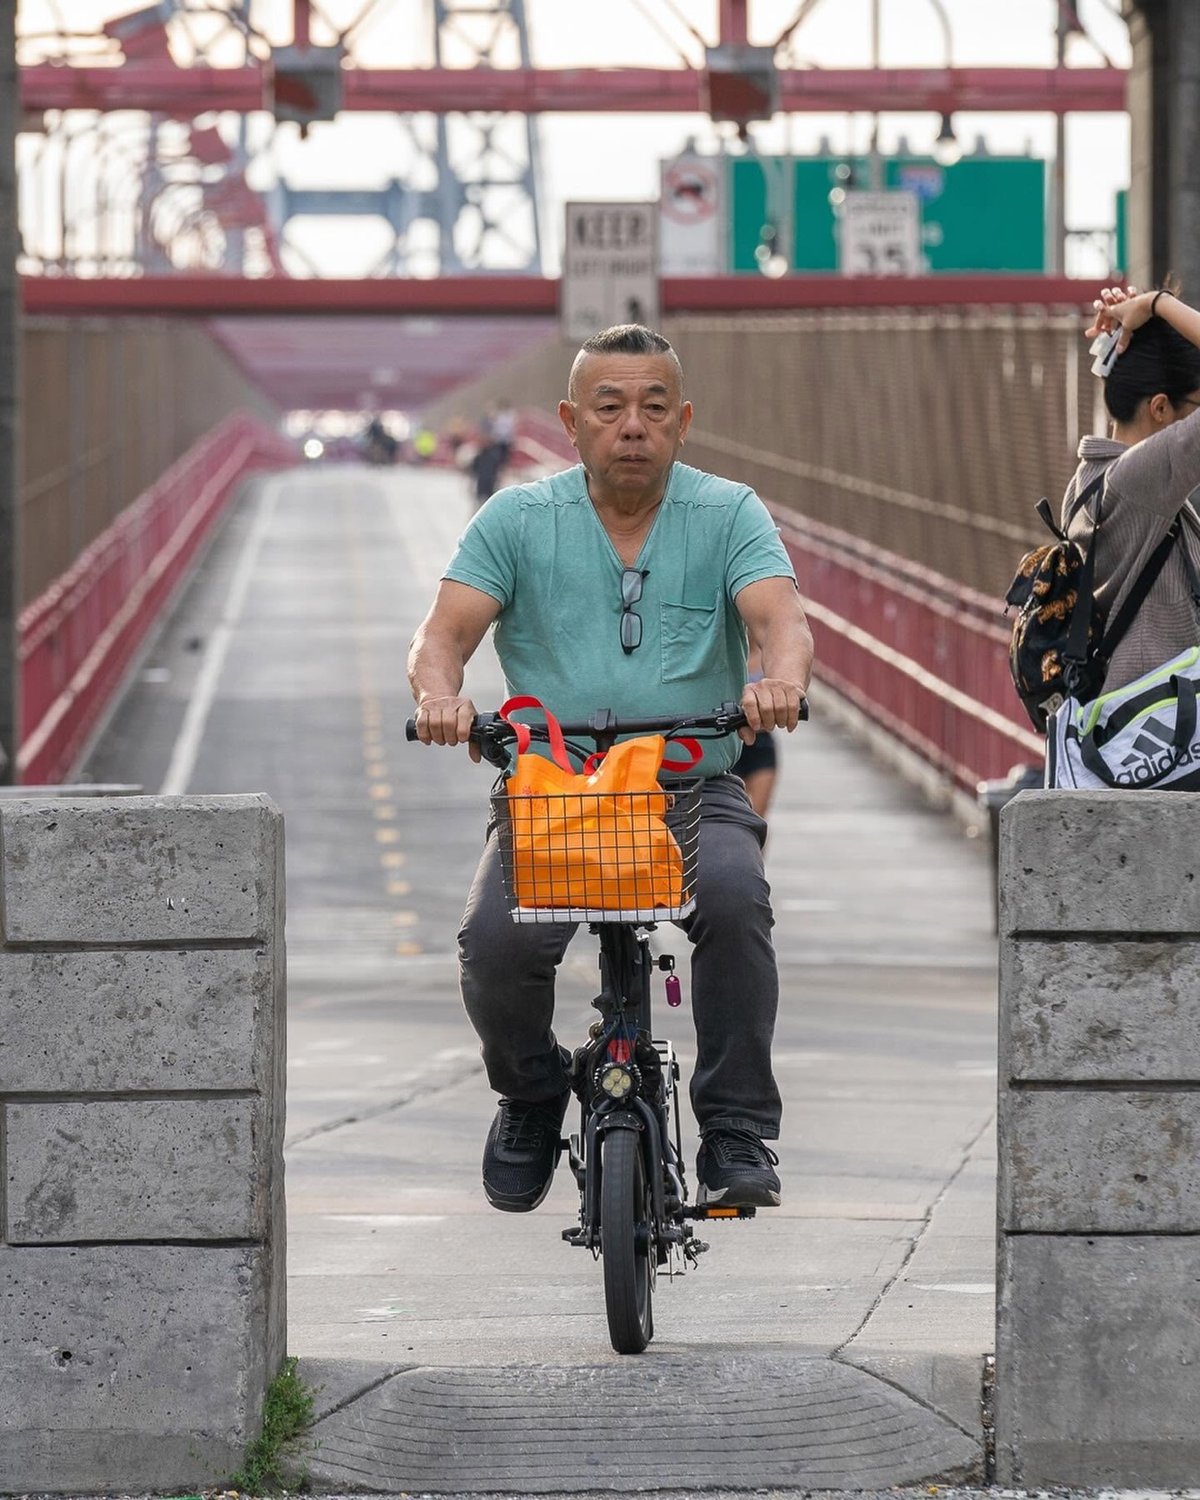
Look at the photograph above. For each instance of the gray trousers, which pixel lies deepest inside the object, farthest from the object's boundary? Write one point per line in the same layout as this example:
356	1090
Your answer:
507	972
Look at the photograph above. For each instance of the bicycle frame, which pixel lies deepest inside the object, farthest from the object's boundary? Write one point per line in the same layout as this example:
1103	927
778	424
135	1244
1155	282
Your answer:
625	1010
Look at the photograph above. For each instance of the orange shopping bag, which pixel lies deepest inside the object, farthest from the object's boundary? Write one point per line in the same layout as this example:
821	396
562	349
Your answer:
594	839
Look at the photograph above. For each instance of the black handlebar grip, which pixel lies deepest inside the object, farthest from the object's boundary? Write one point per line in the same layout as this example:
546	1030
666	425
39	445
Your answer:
410	729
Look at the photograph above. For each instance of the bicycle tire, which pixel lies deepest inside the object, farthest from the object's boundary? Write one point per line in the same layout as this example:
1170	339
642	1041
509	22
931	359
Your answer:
626	1242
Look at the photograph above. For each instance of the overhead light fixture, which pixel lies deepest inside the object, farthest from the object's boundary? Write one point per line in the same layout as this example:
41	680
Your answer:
947	149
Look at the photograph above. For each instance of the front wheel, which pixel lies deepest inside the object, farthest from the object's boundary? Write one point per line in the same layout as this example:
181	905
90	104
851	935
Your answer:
626	1241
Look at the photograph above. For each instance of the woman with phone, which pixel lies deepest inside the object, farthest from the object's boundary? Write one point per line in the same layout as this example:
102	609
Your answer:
1151	464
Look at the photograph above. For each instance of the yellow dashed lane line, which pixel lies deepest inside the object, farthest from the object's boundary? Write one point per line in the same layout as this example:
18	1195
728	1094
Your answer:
379	789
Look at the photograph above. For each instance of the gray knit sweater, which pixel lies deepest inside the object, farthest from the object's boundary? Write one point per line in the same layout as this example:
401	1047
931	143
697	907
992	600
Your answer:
1148	484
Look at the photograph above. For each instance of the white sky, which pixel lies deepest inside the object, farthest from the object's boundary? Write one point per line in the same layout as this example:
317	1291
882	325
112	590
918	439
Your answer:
617	156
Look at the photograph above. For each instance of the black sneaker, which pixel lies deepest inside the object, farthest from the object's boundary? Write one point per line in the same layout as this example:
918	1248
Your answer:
522	1152
736	1170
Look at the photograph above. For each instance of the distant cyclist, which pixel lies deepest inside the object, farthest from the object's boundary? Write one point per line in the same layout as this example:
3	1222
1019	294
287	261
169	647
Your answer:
628	582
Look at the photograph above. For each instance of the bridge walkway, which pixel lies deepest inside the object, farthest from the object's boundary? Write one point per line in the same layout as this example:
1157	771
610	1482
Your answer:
414	1307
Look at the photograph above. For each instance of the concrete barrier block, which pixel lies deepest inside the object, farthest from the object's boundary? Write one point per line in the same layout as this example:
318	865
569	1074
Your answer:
1074	862
152	1020
1098	1362
1118	1011
73	1462
1105	1161
142	1066
138	869
161	1169
177	1341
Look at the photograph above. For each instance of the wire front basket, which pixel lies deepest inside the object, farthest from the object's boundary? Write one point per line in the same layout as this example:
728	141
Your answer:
600	857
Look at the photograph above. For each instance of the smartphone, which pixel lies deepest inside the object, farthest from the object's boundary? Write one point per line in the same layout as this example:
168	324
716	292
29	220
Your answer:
1104	351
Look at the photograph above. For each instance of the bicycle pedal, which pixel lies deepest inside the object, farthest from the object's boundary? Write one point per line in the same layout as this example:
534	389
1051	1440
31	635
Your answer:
715	1211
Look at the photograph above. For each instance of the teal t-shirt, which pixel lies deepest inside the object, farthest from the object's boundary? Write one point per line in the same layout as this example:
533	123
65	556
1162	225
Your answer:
542	552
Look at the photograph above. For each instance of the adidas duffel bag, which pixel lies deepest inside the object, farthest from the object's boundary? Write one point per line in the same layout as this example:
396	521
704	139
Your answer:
1141	735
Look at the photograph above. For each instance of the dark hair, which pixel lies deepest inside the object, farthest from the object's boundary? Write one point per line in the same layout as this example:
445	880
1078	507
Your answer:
626	338
1158	359
623	338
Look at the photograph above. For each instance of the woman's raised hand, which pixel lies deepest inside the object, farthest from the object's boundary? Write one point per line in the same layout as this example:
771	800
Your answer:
1126	308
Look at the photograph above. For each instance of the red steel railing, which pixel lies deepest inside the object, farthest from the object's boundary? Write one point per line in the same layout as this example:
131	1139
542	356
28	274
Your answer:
924	657
78	639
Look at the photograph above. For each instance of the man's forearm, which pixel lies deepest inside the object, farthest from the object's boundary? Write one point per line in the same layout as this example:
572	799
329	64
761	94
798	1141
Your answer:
435	667
787	652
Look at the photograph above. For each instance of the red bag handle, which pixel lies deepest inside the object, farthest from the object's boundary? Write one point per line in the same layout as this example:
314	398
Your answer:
694	749
558	746
695	753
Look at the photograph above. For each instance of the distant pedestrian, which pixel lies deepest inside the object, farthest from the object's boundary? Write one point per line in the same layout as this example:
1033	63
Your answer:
379	445
504	429
492	453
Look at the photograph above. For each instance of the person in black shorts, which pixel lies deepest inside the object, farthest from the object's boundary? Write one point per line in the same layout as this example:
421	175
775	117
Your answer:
757	767
757	763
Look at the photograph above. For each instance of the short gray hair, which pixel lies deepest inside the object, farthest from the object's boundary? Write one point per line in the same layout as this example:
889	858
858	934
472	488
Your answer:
624	338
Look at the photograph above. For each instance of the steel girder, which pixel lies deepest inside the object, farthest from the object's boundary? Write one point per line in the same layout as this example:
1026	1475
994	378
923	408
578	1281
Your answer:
181	93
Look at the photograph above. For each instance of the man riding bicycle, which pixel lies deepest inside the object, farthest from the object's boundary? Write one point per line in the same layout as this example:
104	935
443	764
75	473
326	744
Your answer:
628	582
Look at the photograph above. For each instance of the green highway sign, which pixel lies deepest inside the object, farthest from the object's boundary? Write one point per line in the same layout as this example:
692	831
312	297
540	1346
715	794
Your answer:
984	213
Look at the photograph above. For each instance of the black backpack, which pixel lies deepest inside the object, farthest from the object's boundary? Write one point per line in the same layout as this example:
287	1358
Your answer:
1059	645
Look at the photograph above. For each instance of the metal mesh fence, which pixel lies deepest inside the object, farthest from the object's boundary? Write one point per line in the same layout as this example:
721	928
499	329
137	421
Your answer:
108	405
930	435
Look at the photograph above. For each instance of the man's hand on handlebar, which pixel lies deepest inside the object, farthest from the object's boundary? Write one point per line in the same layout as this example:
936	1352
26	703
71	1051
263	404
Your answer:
447	721
770	703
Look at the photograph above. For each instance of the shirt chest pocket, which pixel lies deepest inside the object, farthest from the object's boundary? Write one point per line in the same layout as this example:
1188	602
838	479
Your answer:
691	640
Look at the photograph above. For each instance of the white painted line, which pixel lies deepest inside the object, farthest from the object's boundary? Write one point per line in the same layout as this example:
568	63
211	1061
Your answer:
963	1288
387	1220
191	732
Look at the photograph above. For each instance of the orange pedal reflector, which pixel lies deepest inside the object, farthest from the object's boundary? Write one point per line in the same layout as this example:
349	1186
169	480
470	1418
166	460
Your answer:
722	1213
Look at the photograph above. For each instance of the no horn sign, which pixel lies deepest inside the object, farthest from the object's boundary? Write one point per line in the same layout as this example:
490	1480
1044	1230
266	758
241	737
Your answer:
690	192
692	215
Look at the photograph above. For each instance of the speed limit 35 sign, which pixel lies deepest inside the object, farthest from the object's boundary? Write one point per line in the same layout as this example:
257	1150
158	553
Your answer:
880	235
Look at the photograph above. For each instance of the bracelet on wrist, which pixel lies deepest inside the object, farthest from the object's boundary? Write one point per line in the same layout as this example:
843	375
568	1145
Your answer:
1162	292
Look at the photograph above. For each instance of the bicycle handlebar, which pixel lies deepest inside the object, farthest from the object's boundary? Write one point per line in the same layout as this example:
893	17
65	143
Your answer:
493	734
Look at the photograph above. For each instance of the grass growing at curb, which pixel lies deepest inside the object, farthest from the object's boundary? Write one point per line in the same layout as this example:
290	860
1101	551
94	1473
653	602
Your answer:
287	1411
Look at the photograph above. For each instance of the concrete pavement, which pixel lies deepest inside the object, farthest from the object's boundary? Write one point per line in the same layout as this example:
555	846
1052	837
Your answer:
836	1342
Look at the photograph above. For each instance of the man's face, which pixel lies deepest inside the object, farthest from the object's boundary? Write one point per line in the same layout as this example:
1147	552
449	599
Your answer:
627	421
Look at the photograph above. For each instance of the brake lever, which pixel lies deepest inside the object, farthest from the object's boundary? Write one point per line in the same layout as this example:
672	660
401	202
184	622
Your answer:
493	737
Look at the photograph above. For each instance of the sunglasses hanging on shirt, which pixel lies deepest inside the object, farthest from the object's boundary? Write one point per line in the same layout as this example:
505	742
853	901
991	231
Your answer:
631	622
